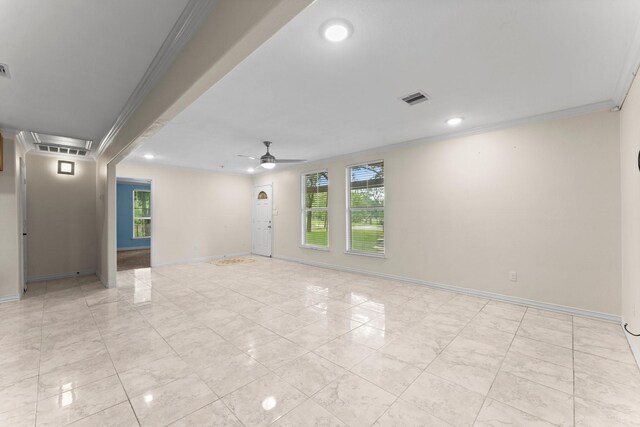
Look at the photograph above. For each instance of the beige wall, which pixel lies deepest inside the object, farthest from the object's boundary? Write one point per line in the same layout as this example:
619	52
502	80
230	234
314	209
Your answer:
195	214
540	199
10	222
630	189
61	215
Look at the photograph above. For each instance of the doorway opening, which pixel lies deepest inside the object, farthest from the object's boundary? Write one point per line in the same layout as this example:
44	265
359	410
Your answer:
133	223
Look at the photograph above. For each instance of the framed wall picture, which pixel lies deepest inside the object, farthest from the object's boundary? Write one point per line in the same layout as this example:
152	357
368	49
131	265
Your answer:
1	153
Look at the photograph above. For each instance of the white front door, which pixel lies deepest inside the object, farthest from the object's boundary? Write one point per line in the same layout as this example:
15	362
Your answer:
262	220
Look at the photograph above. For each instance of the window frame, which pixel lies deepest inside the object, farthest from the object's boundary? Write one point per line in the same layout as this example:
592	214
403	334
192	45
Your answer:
133	213
348	249
304	210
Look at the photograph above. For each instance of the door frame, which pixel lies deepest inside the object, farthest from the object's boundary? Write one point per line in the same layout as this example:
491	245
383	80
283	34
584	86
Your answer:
130	180
23	226
253	217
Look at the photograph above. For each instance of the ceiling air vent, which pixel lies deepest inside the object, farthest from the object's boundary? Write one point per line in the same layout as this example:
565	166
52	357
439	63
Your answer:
61	150
415	98
57	144
4	71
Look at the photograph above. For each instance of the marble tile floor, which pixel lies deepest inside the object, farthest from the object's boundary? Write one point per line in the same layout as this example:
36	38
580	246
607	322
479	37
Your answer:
273	342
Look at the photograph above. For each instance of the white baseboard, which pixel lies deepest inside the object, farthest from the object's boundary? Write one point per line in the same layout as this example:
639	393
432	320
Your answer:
467	291
59	276
9	298
201	259
632	343
134	248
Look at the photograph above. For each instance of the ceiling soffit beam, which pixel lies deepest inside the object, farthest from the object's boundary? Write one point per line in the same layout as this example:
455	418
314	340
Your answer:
185	27
227	36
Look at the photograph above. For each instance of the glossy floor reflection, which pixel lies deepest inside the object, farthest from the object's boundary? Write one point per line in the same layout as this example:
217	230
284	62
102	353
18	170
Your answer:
277	342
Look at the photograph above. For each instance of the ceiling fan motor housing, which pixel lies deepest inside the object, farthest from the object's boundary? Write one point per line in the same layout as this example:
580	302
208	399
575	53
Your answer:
267	158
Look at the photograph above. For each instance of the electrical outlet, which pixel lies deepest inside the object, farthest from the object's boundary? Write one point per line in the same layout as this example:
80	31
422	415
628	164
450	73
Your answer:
513	276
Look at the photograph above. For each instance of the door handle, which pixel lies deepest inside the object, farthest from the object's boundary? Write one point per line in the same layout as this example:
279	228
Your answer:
269	226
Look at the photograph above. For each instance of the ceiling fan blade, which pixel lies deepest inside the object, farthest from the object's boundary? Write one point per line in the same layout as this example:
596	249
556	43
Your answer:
259	166
248	157
290	160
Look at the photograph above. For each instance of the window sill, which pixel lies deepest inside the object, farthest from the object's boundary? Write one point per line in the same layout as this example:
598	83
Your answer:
383	256
138	238
314	248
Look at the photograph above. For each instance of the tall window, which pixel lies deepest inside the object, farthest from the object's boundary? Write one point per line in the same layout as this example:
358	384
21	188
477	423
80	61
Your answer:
141	214
315	198
366	208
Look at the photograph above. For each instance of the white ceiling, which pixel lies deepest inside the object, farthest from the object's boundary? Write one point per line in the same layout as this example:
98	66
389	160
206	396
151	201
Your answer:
490	61
74	63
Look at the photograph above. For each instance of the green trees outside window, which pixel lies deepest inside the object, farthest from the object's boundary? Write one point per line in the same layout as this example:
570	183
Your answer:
315	219
141	214
366	208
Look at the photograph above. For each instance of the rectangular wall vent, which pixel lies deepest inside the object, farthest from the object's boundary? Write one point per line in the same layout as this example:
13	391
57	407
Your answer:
415	98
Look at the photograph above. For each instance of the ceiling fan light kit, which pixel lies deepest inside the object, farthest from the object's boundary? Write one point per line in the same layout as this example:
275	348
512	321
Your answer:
268	160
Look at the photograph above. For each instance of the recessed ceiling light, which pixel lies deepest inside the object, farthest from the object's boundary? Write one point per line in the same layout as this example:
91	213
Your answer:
454	121
149	156
251	170
336	30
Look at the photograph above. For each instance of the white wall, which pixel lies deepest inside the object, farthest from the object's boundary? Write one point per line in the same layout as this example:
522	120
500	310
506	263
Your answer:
10	222
195	214
541	199
630	189
61	216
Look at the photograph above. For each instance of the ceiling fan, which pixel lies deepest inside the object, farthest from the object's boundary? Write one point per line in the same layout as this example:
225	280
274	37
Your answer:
268	160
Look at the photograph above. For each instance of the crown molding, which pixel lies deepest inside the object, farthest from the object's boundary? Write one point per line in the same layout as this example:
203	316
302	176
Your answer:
185	27
607	105
23	143
538	118
629	70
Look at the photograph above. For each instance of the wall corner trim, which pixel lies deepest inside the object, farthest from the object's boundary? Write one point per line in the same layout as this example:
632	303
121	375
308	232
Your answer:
103	280
467	291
